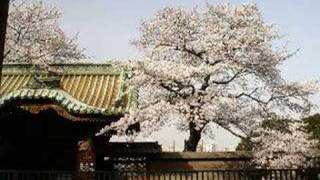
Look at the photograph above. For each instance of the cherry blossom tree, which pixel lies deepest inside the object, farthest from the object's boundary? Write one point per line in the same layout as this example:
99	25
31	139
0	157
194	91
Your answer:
213	66
34	35
278	149
274	124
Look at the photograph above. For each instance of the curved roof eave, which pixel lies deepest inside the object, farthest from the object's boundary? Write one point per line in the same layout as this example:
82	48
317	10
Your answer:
62	98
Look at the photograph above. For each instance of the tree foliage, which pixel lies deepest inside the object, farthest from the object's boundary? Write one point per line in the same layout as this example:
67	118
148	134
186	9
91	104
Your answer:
312	125
292	148
281	125
218	65
284	143
34	35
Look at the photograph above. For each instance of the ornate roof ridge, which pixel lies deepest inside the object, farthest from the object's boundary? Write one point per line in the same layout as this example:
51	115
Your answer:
69	68
79	62
65	100
65	64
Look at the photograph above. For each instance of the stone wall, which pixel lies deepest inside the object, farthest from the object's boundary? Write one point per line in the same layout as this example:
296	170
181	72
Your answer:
185	161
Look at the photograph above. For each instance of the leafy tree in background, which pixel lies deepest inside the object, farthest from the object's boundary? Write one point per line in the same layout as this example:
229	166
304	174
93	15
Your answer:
214	66
245	144
312	126
274	124
283	143
34	36
281	149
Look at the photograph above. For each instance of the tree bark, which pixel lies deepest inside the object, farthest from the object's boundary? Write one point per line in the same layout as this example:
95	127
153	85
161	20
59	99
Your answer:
194	138
4	6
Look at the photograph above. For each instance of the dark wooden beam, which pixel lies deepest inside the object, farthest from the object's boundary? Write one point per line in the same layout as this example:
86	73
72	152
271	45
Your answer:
4	8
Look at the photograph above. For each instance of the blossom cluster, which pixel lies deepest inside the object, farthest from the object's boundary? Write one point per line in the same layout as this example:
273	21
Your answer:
284	149
34	36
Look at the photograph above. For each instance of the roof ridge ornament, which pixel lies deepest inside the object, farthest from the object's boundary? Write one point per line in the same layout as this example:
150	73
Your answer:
44	78
45	82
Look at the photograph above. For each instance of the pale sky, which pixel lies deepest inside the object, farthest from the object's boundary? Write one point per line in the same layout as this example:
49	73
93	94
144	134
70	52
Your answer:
106	27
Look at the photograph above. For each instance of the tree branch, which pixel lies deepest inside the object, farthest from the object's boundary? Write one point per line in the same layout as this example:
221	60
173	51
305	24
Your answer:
230	130
229	80
183	49
253	98
179	87
205	85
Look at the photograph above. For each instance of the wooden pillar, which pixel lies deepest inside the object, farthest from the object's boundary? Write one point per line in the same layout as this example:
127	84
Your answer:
86	160
4	6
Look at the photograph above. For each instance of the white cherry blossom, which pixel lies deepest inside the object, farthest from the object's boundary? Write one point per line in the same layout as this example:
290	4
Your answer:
218	65
34	35
280	150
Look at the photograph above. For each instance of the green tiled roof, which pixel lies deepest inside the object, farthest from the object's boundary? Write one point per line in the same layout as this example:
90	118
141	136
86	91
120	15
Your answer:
82	88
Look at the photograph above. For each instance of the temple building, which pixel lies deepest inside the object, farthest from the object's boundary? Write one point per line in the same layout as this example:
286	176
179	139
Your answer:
49	120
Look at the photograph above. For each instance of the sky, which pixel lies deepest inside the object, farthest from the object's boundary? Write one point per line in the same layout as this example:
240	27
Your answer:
106	28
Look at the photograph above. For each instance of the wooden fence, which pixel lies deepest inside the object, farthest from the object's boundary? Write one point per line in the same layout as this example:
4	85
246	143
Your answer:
256	174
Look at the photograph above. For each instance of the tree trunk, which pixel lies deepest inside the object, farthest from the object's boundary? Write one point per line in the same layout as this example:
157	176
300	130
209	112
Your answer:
194	138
